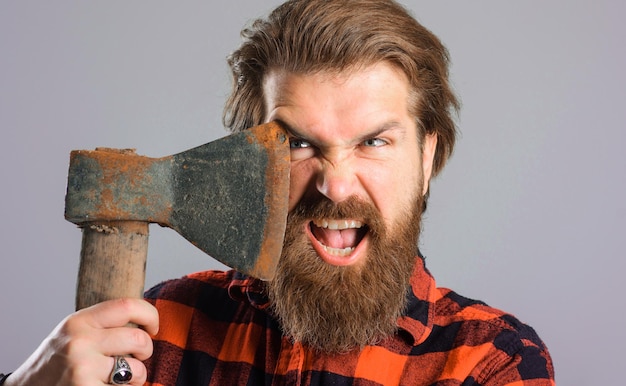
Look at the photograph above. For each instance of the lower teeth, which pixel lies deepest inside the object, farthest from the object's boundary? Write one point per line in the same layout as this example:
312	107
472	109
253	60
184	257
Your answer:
339	251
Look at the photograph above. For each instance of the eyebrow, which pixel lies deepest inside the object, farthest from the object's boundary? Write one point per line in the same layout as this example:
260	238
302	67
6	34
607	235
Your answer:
387	126
290	129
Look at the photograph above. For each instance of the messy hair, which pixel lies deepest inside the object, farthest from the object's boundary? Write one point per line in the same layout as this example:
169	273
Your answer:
312	36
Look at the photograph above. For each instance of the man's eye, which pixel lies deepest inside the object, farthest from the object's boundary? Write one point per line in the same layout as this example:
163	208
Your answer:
374	142
296	143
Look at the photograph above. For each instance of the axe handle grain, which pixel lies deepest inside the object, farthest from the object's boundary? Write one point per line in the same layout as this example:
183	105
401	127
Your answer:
112	261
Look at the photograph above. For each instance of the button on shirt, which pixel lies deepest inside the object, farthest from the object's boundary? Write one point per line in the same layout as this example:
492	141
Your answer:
216	329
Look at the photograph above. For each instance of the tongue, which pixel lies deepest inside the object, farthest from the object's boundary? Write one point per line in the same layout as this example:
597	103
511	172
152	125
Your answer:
340	239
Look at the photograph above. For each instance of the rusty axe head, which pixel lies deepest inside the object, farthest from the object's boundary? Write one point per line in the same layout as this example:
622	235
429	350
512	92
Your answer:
228	197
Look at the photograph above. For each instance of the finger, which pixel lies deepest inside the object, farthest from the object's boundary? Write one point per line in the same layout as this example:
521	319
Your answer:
126	340
137	369
119	312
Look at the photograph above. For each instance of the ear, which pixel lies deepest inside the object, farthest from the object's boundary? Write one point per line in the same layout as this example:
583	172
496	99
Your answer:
428	155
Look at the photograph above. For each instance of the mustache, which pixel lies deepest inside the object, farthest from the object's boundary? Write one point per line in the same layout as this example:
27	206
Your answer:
354	208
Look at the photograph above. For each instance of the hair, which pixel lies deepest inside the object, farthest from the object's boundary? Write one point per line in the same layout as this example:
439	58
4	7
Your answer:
311	36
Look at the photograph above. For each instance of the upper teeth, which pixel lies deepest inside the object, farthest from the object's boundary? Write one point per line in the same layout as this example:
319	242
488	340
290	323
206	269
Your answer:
338	224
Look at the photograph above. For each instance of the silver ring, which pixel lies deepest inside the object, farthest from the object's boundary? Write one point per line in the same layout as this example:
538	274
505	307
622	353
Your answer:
121	373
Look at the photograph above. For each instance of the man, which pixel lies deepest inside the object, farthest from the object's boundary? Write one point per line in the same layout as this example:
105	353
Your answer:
362	89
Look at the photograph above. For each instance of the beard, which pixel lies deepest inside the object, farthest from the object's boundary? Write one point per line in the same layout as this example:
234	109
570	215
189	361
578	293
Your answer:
336	309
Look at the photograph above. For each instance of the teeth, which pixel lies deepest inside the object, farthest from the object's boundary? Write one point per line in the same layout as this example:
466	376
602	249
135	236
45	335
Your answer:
338	224
338	251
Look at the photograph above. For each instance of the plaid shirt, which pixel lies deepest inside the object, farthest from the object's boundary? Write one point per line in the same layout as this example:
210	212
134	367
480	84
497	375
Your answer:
216	330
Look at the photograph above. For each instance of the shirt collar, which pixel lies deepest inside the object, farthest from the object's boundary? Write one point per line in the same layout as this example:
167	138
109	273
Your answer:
416	320
244	288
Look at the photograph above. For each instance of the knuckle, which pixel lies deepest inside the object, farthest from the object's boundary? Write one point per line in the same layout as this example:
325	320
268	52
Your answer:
126	304
71	324
139	338
142	343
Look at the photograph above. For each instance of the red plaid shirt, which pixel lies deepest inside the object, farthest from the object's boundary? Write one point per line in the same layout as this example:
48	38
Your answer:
216	330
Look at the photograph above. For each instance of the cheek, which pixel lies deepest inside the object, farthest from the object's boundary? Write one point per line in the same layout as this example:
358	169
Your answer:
392	190
301	181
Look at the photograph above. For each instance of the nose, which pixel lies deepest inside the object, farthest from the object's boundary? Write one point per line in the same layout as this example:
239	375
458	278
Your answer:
337	180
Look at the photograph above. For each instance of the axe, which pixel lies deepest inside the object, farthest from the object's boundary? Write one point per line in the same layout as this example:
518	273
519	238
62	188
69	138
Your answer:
228	197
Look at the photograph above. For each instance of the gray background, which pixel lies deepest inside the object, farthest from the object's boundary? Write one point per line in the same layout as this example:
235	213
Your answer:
528	216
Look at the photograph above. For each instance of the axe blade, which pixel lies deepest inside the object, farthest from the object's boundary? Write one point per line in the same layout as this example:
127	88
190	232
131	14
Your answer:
228	197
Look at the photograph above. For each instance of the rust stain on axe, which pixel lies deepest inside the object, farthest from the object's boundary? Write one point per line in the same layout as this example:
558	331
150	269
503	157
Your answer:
239	221
276	203
118	183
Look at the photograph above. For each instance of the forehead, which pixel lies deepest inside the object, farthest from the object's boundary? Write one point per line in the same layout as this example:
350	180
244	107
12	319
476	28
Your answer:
283	87
346	104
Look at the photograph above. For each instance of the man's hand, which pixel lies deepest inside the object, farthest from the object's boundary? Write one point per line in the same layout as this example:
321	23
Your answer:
81	349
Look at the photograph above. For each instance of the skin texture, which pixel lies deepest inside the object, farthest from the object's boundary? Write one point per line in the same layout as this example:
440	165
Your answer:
356	166
352	135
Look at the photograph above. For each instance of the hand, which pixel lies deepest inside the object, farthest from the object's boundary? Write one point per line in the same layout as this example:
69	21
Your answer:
81	348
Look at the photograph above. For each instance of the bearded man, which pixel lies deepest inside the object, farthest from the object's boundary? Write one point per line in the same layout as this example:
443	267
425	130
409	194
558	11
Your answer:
362	89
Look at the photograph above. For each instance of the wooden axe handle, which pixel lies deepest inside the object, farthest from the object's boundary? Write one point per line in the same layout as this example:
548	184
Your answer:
112	261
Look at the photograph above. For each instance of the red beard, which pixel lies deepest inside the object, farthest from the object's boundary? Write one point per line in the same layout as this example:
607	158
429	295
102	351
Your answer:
336	309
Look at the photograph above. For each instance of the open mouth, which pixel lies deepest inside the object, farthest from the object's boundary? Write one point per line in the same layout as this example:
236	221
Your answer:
338	238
